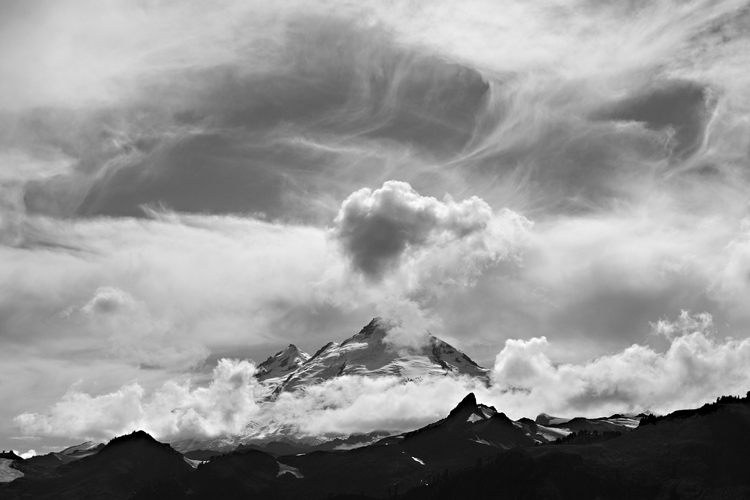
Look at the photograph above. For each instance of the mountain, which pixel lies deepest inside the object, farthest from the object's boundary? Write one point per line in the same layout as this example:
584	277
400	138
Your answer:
82	450
701	453
369	354
281	364
476	423
547	429
50	460
53	460
471	432
240	474
130	466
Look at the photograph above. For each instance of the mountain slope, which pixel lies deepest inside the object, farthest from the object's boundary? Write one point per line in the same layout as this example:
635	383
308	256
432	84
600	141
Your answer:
130	466
281	364
688	454
471	432
368	353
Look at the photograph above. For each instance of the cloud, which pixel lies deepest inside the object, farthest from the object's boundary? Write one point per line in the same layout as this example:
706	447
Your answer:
685	325
731	282
381	229
224	406
170	277
134	335
696	368
78	414
407	324
27	455
623	136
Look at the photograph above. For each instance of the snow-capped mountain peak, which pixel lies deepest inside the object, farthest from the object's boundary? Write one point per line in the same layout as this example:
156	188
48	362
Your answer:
281	364
370	353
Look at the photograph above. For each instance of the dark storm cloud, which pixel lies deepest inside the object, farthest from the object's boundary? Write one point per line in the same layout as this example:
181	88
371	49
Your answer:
228	139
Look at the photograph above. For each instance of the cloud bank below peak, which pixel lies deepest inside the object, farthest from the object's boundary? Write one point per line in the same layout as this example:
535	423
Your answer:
695	369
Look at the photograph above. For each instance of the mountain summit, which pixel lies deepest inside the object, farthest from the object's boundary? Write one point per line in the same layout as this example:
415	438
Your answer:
368	353
281	364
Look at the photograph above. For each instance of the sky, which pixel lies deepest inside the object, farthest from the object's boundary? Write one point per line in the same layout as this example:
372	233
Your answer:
558	189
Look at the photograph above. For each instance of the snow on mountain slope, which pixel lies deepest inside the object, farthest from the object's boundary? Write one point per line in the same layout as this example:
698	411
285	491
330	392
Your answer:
8	473
547	428
84	449
623	421
369	354
280	365
544	419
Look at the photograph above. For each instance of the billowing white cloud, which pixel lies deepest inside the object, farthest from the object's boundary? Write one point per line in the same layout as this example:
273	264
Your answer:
224	406
696	368
687	323
26	455
382	230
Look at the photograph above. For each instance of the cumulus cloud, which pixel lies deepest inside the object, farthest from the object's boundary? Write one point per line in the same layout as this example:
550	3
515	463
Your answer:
379	230
28	454
224	406
684	325
696	368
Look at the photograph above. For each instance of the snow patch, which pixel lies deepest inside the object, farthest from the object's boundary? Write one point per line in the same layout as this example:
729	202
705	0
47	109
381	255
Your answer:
417	460
474	418
552	433
481	441
194	463
630	423
8	473
354	446
86	446
288	469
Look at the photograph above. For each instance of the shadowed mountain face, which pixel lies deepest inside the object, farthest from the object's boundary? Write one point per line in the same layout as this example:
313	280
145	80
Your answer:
474	452
124	468
471	432
688	454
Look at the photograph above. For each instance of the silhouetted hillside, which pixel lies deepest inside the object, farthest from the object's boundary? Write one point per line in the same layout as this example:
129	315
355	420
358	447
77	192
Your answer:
124	467
702	453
